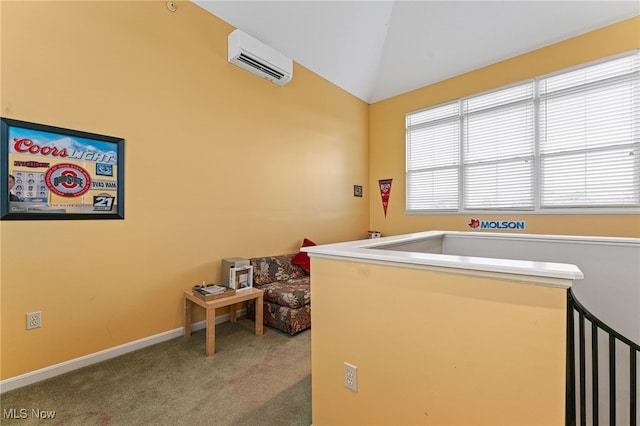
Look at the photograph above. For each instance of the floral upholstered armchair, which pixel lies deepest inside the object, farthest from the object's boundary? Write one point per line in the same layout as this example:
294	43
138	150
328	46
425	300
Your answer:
287	291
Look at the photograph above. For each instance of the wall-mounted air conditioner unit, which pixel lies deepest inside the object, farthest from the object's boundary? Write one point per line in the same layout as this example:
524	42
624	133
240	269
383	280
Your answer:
254	56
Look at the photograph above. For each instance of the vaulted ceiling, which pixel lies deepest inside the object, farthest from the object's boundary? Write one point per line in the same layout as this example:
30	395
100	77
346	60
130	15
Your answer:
379	49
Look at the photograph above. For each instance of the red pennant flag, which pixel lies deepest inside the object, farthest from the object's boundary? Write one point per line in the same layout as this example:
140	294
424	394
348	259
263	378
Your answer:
385	191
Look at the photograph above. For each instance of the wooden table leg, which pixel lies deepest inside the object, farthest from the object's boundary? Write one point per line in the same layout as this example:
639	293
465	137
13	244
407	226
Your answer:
187	317
259	316
211	332
233	312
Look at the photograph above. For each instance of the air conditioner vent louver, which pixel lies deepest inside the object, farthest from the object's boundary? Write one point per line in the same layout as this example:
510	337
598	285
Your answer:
260	66
256	57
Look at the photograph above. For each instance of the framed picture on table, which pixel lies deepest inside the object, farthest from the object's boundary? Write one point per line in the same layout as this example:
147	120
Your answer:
50	173
241	277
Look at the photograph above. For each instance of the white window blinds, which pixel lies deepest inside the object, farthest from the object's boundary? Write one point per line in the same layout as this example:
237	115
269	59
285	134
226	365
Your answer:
498	149
571	140
433	158
589	136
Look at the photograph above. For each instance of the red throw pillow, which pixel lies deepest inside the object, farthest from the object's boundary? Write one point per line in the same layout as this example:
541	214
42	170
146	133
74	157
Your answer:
302	258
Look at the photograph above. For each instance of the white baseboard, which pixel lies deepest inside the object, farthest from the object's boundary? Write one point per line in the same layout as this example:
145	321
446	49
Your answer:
94	358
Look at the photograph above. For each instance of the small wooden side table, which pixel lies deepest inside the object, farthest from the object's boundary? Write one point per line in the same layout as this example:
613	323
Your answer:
212	305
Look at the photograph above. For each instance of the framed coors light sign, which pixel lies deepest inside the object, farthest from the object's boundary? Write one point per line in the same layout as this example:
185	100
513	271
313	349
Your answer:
54	173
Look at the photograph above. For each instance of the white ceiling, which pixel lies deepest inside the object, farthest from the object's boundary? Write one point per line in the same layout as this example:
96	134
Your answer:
379	49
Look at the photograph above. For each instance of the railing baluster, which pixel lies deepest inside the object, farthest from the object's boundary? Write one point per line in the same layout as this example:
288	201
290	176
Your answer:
594	374
583	398
633	411
612	380
570	385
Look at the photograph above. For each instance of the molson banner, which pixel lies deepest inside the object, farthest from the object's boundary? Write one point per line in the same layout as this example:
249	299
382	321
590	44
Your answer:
510	225
60	171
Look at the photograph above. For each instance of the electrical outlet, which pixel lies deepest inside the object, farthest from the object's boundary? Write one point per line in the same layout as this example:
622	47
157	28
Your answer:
351	376
34	320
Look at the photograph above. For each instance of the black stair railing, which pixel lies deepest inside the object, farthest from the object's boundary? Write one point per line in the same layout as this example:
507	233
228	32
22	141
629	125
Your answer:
584	402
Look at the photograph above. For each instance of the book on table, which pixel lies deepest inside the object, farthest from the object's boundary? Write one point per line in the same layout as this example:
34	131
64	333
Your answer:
212	291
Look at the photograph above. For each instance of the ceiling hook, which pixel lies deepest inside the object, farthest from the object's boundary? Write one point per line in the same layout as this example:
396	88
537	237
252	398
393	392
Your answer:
171	6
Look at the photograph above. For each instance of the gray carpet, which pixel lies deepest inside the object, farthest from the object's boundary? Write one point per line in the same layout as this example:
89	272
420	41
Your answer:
251	380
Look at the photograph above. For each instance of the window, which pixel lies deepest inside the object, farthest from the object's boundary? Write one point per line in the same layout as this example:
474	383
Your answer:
560	142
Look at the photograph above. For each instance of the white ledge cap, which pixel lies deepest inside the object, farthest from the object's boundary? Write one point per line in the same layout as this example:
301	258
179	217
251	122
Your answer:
373	250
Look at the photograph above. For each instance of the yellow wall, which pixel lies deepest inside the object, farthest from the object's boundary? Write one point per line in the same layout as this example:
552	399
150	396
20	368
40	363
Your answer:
218	163
387	136
276	164
434	348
